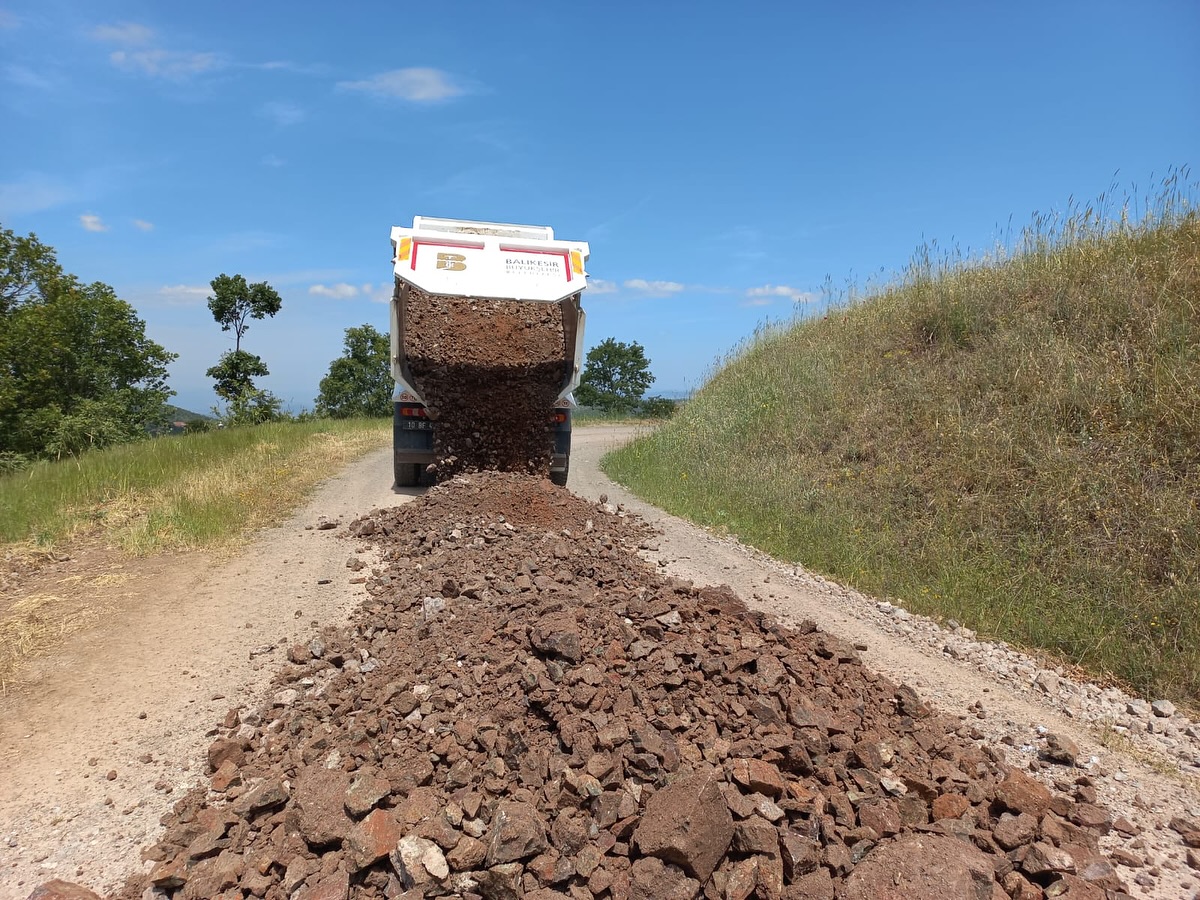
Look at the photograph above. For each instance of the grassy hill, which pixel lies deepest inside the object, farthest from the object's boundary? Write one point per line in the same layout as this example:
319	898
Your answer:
1013	444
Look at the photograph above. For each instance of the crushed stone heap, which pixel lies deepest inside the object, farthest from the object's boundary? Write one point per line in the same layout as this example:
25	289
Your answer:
523	708
489	372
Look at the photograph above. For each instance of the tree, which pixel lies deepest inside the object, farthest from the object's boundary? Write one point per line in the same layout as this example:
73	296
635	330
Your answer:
27	267
76	367
615	376
359	382
232	304
234	301
235	373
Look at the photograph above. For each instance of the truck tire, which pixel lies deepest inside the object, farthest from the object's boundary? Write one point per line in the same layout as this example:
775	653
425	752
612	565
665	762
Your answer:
560	478
407	474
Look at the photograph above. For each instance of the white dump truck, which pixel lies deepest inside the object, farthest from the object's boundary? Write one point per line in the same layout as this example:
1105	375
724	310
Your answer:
459	259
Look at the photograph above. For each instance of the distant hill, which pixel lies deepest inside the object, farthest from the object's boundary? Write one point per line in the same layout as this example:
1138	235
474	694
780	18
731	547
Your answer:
179	414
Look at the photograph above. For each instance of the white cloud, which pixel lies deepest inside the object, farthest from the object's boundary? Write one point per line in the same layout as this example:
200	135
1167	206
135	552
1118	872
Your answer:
183	294
34	192
419	85
272	161
600	286
175	65
143	225
23	77
283	113
769	293
653	288
381	293
128	34
92	223
339	291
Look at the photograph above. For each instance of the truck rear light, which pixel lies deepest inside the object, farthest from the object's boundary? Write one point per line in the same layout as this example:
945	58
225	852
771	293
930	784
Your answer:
560	416
417	412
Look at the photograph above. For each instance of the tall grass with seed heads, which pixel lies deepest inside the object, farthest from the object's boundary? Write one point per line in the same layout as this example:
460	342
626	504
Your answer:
1012	442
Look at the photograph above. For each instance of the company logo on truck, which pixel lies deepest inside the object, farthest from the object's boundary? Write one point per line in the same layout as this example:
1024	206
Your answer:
533	265
452	262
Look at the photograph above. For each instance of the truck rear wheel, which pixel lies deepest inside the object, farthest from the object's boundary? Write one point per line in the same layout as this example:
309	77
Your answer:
560	478
408	474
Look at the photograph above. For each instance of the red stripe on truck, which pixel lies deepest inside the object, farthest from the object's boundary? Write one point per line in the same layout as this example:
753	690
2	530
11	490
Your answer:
563	253
459	245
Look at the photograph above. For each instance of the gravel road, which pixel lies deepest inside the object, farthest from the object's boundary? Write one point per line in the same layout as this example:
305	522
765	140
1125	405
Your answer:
109	730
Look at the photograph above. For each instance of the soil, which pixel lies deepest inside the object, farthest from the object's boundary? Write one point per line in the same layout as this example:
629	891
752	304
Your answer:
489	372
169	658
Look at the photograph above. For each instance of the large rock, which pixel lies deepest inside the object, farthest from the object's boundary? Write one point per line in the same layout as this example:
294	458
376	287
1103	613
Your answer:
318	809
928	866
687	823
518	832
373	838
1023	794
652	879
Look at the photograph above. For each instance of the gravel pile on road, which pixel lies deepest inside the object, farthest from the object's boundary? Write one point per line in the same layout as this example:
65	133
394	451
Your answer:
489	371
524	709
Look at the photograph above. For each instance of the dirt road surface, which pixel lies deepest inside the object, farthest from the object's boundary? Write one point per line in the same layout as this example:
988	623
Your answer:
105	733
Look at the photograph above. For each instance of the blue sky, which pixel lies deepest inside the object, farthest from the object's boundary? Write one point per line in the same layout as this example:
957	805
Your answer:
723	160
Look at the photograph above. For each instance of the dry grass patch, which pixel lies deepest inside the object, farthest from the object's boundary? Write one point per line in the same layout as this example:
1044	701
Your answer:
200	490
34	624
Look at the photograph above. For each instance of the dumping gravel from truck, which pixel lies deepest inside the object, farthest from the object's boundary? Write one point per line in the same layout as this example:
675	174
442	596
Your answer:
487	336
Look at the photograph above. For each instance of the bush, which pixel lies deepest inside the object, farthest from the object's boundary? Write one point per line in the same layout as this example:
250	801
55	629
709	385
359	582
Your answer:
657	408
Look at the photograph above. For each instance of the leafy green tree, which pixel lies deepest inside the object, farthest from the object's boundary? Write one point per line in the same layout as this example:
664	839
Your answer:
27	267
76	367
359	382
234	302
615	376
234	374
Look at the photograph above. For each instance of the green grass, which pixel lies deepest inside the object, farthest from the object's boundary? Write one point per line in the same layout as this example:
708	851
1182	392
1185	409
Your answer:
196	490
1014	443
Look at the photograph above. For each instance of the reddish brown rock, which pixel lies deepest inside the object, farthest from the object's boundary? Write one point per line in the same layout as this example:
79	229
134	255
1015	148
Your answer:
1018	887
950	806
269	793
652	879
1070	887
881	816
224	749
557	634
816	885
518	832
366	790
331	887
1042	859
372	839
929	866
801	855
209	877
687	823
318	809
467	854
1013	831
1023	794
62	890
